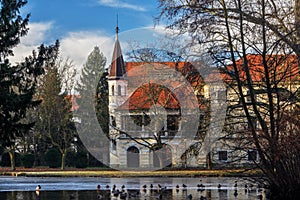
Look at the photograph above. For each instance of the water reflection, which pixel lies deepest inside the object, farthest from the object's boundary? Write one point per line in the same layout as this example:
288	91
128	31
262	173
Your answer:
23	188
168	194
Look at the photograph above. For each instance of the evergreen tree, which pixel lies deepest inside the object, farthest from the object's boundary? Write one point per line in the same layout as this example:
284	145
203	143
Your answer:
93	90
17	82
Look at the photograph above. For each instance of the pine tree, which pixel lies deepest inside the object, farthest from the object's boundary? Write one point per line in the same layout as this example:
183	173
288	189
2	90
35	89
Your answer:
93	90
17	82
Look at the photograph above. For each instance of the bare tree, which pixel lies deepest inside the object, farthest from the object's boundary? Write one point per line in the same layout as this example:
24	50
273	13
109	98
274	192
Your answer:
55	123
256	46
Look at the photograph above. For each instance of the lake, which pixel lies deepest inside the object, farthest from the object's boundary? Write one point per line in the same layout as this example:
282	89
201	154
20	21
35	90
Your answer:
82	188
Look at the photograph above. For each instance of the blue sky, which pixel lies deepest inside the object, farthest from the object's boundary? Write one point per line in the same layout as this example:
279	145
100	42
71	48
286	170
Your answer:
82	24
92	15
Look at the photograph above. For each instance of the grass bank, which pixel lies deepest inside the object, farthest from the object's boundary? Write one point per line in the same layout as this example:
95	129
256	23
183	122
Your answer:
36	172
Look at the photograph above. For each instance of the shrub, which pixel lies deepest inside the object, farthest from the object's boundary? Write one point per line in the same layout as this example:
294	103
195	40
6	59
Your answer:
81	160
93	162
5	160
70	159
53	158
28	160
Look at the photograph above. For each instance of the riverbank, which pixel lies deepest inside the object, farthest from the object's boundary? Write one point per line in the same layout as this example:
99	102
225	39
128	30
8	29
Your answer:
47	172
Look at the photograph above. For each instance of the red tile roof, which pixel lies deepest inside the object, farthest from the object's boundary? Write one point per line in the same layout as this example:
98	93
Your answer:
280	67
151	93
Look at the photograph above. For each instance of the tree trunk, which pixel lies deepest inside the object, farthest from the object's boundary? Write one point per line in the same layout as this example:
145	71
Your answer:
208	161
63	160
297	27
12	159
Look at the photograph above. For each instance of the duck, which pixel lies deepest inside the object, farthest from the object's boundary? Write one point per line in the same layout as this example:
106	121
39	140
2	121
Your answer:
151	186
98	187
184	186
189	197
38	188
235	193
99	196
159	186
123	195
116	193
177	186
219	185
144	186
235	184
114	187
123	188
107	186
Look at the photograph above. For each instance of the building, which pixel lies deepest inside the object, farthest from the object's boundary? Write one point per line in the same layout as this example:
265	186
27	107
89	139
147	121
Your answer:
153	124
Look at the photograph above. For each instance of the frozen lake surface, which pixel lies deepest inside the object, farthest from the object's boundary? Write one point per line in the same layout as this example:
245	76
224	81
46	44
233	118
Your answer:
23	188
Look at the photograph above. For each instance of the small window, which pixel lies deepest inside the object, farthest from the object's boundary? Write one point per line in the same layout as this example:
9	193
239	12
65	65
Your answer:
119	90
113	90
113	121
252	155
114	145
223	155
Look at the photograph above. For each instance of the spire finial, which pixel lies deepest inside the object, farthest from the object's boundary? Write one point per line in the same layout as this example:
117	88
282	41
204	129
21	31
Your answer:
117	27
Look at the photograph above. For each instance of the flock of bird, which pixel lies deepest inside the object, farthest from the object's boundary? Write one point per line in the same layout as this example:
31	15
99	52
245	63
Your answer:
123	194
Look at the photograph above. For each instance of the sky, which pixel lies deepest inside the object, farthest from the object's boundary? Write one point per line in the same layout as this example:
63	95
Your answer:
80	25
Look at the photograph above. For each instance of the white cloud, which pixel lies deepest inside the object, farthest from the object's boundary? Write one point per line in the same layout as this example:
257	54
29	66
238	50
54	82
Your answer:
74	45
121	4
78	45
37	35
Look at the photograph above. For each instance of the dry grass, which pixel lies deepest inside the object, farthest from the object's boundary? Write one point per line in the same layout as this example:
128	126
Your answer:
44	172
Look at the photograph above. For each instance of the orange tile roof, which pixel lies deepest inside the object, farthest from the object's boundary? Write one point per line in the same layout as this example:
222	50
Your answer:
151	93
280	67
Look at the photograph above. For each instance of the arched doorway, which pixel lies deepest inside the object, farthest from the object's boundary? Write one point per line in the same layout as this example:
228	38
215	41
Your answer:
162	157
133	157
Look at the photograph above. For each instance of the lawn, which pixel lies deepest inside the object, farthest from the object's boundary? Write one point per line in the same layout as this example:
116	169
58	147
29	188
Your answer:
93	172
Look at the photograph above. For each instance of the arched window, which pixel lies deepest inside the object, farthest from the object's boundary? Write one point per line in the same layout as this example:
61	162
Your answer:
119	90
133	157
113	90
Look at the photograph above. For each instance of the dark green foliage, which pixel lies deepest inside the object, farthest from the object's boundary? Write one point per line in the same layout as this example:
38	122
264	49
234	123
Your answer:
53	158
5	161
17	82
27	160
93	87
70	159
93	162
81	160
12	26
102	103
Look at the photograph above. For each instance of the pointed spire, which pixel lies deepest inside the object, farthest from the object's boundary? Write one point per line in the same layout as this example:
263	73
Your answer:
117	67
117	27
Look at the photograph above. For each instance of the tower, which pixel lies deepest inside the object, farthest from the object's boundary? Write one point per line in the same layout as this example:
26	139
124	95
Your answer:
117	91
117	81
